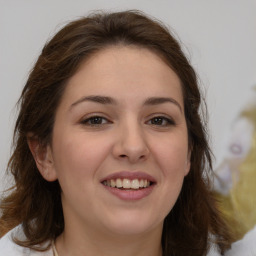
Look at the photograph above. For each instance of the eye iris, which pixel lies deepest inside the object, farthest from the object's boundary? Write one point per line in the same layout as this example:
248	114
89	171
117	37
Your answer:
96	120
157	120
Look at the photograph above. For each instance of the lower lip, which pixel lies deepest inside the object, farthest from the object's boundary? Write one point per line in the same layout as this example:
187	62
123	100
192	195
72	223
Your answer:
130	194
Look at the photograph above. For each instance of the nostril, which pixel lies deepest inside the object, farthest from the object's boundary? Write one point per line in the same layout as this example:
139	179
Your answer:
122	156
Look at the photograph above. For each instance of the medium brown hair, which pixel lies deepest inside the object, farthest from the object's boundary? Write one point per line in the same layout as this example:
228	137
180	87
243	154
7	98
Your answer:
36	203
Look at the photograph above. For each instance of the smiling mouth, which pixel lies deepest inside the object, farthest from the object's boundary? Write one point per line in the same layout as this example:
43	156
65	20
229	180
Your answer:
128	184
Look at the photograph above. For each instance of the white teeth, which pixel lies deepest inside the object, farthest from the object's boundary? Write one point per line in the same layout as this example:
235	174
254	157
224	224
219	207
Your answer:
112	183
135	184
126	183
146	183
119	183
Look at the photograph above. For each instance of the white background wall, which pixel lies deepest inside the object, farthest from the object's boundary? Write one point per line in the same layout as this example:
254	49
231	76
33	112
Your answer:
219	35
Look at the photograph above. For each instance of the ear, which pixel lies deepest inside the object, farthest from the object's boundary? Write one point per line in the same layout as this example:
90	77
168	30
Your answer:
43	157
187	164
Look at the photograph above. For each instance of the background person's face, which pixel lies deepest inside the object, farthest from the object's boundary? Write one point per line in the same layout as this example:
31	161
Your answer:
120	124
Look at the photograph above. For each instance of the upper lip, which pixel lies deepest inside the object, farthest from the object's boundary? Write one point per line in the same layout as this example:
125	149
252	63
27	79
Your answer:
129	175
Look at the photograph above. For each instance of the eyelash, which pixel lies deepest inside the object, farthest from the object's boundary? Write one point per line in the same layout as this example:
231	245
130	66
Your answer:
161	119
96	121
89	121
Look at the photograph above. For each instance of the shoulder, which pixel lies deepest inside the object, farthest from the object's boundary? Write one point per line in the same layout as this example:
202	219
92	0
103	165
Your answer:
244	247
9	248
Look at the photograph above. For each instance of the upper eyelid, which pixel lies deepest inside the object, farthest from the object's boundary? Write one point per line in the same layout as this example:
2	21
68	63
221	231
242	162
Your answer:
160	115
91	117
96	114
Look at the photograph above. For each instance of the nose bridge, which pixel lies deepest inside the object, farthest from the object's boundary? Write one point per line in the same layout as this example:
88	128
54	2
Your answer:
131	141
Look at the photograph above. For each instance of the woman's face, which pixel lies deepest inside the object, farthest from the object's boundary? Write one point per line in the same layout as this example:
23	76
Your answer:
120	146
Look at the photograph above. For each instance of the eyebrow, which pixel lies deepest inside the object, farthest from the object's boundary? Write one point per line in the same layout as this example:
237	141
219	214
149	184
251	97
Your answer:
97	99
162	100
108	100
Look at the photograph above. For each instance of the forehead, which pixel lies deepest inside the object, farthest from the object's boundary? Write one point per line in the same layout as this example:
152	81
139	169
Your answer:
128	70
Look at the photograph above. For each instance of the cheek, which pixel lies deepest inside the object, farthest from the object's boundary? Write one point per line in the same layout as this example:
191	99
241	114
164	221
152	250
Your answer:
172	156
79	156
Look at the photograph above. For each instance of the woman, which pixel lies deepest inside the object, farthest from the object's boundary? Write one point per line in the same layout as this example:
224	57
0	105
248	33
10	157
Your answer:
110	150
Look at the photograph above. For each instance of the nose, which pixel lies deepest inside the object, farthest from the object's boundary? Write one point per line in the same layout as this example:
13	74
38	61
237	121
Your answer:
131	144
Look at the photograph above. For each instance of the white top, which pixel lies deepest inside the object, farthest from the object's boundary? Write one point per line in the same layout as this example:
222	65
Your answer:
244	247
9	248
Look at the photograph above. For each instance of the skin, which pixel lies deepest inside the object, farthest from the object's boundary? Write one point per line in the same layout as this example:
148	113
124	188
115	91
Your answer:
127	137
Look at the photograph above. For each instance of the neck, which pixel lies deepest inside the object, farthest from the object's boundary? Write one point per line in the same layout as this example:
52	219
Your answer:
99	243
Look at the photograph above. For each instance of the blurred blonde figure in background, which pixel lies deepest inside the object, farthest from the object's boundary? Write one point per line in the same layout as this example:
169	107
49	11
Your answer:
235	180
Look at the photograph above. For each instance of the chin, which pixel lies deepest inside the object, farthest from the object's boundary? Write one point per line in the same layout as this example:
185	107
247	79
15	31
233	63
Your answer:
133	225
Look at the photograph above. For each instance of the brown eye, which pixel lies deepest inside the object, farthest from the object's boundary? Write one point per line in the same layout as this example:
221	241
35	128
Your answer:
95	120
161	121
